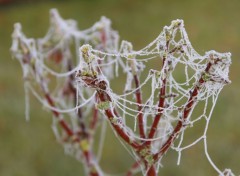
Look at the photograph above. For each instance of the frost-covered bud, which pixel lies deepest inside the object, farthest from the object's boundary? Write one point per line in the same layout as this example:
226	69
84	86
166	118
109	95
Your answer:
86	54
177	23
168	35
126	47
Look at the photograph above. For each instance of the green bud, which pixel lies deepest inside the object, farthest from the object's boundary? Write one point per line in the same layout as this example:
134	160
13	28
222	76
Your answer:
149	159
206	77
104	105
143	152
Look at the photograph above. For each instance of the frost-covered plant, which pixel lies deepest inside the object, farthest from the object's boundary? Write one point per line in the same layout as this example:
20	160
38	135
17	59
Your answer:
154	109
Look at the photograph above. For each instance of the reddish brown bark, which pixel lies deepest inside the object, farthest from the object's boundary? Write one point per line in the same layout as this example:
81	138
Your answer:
139	101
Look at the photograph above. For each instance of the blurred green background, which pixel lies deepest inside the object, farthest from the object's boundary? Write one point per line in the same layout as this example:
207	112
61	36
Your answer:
30	148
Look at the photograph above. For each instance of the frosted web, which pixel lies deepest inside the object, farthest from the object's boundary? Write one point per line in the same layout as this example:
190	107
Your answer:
184	80
168	88
49	65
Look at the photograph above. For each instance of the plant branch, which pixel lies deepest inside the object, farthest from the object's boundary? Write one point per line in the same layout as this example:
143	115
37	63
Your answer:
161	98
139	101
103	96
186	111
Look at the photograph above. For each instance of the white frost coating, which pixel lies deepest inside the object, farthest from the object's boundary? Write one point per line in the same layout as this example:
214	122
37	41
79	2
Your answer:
39	57
184	77
205	74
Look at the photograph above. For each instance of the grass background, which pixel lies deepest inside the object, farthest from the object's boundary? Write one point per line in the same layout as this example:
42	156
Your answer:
30	149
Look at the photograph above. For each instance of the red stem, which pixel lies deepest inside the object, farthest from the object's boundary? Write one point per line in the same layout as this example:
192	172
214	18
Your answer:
93	123
160	107
139	101
160	110
109	113
62	122
151	171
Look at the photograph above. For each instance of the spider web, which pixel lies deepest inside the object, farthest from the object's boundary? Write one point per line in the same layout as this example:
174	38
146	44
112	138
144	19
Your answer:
48	70
172	46
180	72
